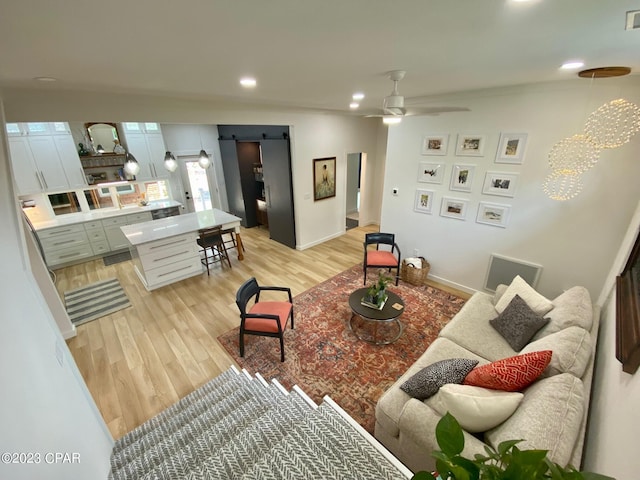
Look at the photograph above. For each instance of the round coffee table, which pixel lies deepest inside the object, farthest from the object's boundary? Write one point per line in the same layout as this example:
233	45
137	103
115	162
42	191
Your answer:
376	326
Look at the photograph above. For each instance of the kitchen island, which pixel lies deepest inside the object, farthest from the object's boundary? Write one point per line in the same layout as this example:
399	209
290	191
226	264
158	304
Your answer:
165	251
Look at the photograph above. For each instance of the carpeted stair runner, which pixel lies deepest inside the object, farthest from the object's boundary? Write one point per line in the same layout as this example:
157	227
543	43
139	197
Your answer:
236	426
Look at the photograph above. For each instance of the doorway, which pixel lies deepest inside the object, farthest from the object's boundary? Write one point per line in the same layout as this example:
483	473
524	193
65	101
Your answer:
352	197
200	185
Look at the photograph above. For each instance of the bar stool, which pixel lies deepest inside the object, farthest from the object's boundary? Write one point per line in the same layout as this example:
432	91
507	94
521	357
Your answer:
211	239
232	241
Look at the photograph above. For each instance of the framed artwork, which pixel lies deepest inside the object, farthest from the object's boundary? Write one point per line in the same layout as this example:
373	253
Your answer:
511	148
436	144
500	183
454	208
493	214
462	177
470	145
324	178
628	312
431	172
424	201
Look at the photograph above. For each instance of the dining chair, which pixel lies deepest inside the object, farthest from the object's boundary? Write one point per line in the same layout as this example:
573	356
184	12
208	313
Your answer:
211	240
265	318
389	257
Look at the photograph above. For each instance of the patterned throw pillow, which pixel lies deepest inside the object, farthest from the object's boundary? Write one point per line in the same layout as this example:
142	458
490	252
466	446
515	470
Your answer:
518	323
510	374
427	381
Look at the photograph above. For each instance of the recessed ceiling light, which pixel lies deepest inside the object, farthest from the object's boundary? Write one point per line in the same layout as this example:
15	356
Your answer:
572	65
248	82
358	96
354	105
46	79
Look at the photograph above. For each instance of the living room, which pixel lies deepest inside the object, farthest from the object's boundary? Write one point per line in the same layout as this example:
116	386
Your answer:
583	241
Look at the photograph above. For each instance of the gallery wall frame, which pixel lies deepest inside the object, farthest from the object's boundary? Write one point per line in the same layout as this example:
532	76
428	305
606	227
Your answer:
462	177
470	145
423	201
503	184
454	208
511	148
324	178
435	144
495	214
430	172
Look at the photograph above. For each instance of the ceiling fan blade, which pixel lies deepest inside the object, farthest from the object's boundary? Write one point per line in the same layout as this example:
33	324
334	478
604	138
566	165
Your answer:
434	110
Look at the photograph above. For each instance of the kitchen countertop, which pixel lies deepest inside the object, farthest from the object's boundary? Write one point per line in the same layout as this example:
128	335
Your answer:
81	217
162	228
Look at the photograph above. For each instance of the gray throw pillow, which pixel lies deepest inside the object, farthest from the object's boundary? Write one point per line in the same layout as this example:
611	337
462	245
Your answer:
427	381
518	323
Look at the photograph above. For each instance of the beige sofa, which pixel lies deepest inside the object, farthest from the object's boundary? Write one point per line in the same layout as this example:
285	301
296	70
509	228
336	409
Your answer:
552	415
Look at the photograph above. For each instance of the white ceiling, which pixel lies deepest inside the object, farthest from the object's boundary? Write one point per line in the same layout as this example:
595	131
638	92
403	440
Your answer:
305	53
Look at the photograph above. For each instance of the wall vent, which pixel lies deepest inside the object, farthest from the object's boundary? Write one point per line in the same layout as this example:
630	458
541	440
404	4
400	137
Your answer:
504	269
633	20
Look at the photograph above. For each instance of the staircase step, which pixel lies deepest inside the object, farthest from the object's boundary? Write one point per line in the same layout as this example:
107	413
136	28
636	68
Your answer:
217	420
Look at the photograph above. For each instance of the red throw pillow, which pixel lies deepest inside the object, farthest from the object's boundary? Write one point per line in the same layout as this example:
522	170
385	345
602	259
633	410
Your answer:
510	374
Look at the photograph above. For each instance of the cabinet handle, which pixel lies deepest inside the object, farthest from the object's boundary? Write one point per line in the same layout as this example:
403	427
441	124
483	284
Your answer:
39	181
44	180
170	256
59	232
174	271
167	244
83	178
268	193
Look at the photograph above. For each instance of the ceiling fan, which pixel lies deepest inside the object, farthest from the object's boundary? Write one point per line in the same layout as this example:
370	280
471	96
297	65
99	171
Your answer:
393	108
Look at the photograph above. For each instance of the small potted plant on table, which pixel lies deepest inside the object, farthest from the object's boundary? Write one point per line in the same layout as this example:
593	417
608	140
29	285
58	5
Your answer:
376	295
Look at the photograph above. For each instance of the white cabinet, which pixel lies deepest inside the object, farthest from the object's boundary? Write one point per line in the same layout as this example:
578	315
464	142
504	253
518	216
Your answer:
166	261
113	233
44	157
97	237
64	245
145	142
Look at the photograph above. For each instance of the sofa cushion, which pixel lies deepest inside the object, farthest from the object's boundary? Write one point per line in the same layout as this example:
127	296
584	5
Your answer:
427	381
518	323
518	286
510	374
472	323
548	418
572	349
571	308
392	402
476	409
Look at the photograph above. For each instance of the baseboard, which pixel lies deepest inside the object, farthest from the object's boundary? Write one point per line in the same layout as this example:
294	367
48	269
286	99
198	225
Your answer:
67	334
318	242
451	284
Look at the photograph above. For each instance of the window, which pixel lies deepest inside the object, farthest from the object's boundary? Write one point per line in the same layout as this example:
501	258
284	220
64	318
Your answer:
157	191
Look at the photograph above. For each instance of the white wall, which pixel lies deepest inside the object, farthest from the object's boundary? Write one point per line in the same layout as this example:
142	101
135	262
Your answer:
611	446
575	241
312	136
353	176
45	407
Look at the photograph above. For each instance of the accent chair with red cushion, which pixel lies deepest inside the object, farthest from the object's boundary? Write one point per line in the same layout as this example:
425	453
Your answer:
265	318
388	257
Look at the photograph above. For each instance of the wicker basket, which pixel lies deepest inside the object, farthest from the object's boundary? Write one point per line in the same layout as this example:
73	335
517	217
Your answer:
413	275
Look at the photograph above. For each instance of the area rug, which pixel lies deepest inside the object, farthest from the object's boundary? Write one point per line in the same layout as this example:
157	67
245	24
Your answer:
323	356
116	258
94	301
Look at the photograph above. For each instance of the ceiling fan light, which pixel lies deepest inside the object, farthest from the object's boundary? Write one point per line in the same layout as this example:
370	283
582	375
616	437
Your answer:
131	165
391	119
203	160
170	162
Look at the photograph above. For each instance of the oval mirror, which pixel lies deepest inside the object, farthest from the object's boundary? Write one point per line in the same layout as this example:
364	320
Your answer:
104	135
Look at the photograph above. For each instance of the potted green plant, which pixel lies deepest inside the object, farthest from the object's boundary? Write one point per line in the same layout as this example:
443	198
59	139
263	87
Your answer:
507	462
376	294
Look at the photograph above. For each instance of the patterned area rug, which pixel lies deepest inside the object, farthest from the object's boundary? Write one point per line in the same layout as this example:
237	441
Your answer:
94	301
323	356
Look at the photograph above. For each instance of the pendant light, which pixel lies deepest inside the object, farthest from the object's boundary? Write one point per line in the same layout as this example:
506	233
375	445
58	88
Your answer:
170	162
131	165
203	160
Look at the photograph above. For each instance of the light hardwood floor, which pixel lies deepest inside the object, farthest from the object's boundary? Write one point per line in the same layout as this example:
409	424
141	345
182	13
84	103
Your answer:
140	360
